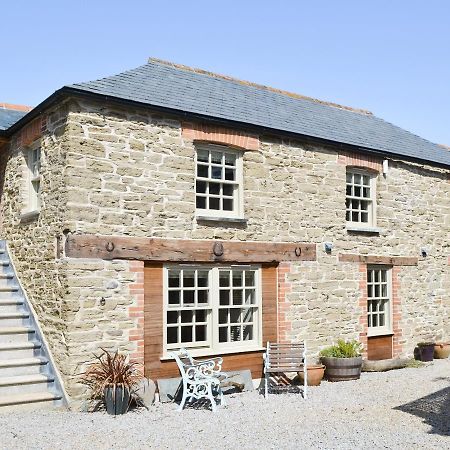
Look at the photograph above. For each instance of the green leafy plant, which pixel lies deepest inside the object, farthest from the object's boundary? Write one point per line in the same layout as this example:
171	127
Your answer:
343	349
111	369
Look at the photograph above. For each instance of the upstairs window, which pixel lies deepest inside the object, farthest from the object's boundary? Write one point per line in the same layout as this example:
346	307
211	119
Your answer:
360	198
34	178
218	182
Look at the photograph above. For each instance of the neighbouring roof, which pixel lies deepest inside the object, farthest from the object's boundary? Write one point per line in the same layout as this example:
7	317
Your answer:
177	87
10	114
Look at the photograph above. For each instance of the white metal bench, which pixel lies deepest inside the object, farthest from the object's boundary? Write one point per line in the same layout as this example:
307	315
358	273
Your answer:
201	378
282	358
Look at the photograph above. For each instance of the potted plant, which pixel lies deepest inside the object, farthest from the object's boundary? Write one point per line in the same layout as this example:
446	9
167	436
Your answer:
314	374
425	351
343	360
441	350
112	379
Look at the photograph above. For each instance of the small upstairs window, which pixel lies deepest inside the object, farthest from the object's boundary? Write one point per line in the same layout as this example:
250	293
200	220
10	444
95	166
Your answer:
218	182
360	199
34	179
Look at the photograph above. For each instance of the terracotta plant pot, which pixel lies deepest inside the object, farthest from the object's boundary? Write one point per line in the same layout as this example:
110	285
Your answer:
314	374
425	351
441	350
342	369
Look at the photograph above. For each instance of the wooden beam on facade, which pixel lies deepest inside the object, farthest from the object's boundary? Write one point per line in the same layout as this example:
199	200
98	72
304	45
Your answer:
177	250
371	259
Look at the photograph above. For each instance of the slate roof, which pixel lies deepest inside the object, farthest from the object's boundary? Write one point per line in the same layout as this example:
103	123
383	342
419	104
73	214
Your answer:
9	117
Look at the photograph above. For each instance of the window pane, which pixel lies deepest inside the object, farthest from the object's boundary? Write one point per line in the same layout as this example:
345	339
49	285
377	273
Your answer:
357	191
249	278
227	204
202	171
174	297
250	296
224	278
230	174
223	334
237	279
202	296
224	297
237	297
223	315
200	187
235	315
247	315
230	159
202	155
348	190
200	333
202	278
216	157
216	172
248	332
187	316
235	333
172	335
364	217
227	189
201	202
186	334
200	315
188	278
214	203
188	297
214	188
172	316
174	278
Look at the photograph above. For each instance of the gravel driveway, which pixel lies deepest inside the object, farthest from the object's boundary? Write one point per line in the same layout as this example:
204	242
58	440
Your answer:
407	409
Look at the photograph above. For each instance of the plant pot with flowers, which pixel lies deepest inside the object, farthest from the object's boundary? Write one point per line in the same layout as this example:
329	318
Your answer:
342	361
112	379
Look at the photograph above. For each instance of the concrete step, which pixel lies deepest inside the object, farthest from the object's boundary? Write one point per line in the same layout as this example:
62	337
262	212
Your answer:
13	319
25	366
6	276
25	384
29	349
10	335
20	399
11	304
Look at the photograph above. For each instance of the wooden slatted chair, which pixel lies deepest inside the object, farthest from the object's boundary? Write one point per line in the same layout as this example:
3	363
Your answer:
283	358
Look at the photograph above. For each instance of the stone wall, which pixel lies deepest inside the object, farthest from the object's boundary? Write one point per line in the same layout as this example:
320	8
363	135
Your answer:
134	175
111	171
33	241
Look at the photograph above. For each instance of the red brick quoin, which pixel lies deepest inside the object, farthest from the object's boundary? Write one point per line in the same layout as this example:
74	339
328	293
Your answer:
284	305
136	311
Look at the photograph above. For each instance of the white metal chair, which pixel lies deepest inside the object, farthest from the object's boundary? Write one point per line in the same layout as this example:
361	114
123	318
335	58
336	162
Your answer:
201	378
281	358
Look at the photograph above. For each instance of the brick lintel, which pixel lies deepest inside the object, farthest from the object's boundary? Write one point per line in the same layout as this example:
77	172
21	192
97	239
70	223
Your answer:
372	259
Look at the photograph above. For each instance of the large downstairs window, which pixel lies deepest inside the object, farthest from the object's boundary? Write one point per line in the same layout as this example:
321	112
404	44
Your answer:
360	199
218	182
379	299
212	308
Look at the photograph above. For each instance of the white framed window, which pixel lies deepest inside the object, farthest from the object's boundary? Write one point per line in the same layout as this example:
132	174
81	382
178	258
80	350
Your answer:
360	198
379	300
218	182
33	157
212	308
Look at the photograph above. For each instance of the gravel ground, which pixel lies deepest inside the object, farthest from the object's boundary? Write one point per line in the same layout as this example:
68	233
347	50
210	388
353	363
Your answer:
401	409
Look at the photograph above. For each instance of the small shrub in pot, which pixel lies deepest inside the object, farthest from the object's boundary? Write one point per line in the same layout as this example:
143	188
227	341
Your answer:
113	379
343	360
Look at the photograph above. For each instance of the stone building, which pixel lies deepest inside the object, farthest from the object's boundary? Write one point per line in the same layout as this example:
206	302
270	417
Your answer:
169	207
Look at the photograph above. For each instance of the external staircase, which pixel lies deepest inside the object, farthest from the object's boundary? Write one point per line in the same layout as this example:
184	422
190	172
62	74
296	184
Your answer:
27	374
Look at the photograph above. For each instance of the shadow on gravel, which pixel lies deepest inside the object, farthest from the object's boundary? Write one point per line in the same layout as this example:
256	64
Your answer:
434	409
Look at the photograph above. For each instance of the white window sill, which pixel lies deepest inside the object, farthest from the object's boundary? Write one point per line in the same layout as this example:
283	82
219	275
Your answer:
205	353
29	216
237	220
368	229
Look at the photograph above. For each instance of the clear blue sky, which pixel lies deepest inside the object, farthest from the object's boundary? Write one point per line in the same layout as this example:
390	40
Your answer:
391	57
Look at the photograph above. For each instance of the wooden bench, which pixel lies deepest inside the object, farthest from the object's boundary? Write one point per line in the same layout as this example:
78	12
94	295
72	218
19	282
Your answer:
284	358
